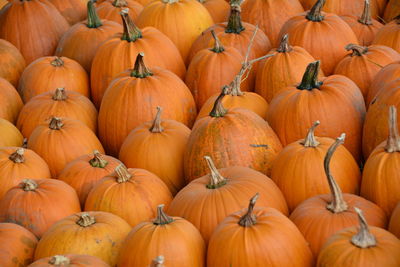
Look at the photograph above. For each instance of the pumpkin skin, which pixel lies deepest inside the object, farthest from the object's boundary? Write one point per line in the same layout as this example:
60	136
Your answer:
38	204
62	140
163	15
18	245
59	103
218	9
394	224
389	35
58	72
10	100
17	164
132	194
82	40
217	197
392	10
3	3
363	63
12	62
132	97
112	57
110	9
244	238
41	21
10	135
70	260
73	11
151	238
94	233
322	34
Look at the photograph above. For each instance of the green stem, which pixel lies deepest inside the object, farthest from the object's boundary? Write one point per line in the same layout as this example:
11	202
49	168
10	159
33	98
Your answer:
97	161
131	31
310	77
315	14
93	20
162	217
140	70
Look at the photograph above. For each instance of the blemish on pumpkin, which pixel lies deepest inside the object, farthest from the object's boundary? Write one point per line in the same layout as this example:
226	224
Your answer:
98	241
255	145
27	241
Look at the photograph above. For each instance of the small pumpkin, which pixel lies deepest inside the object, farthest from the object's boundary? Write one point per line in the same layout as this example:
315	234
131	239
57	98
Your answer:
10	100
394	224
12	62
70	260
389	35
73	11
10	135
110	9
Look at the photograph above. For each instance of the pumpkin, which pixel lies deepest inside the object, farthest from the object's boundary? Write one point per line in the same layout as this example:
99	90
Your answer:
3	3
323	35
151	238
364	27
12	62
110	9
17	246
218	9
61	140
389	34
363	63
158	146
244	238
33	26
48	73
17	164
315	100
380	182
10	100
94	233
73	11
392	10
82	40
361	246
116	55
394	224
132	194
210	69
10	135
233	137
38	204
167	17
132	98
298	169
70	260
321	216
270	15
206	201
85	171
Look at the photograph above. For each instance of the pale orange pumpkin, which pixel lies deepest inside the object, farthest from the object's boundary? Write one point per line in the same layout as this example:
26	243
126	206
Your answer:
12	62
10	135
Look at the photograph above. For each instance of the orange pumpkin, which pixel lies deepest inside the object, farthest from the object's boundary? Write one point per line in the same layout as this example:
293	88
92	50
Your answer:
323	35
10	100
392	10
70	260
206	201
117	54
33	26
73	11
10	135
360	247
132	194
110	9
218	9
151	238
17	164
394	224
82	40
17	246
244	238
12	62
61	140
389	34
321	216
85	171
3	3
49	73
94	233
38	204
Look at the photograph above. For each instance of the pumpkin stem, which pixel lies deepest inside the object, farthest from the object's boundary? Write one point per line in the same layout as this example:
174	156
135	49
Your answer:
85	220
120	3
315	14
18	156
366	15
338	204
131	31
363	239
218	48
29	185
358	50
249	219
97	161
156	127
162	217
25	143
57	62
284	46
397	19
310	77
158	262
235	21
393	141
140	70
55	123
123	174
170	1
310	140
59	260
93	20
59	94
217	180
218	109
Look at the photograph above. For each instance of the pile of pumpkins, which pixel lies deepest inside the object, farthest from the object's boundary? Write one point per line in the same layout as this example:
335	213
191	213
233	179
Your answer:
199	133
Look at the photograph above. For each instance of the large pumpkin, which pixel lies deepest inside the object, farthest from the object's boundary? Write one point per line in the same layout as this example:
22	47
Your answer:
394	224
38	204
73	11
94	233
206	201
244	239
70	260
10	100
10	135
12	62
110	9
389	35
173	237
33	26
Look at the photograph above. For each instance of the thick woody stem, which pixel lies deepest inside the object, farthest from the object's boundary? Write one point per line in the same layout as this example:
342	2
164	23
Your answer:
93	20
363	239
59	260
358	50
162	217
140	70
122	173
29	185
235	21
59	94
217	180
315	14
18	156
57	62
131	31
120	3
366	15
85	220
310	140
249	218
218	109
393	141
156	127
55	123
284	46
97	161
310	77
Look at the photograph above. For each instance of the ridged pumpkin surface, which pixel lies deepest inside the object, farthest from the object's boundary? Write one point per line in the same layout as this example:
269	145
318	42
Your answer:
10	100
10	135
12	62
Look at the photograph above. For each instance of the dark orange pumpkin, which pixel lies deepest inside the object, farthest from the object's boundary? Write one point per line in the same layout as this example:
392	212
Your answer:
70	260
10	100
12	62
73	11
389	35
110	9
394	224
